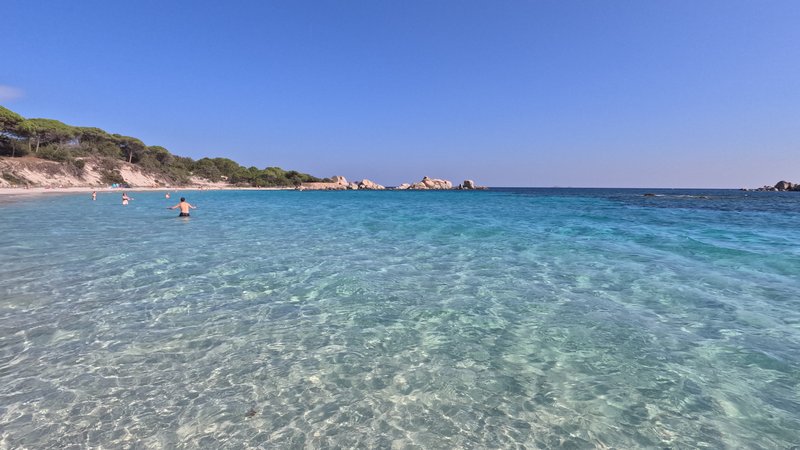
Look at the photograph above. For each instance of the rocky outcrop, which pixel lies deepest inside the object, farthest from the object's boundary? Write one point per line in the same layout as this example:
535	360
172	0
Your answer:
469	185
371	185
427	183
431	183
781	186
337	183
436	183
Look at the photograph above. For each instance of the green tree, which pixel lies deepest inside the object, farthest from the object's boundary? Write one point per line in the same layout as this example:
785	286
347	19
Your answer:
131	147
9	120
49	131
206	168
226	167
9	128
59	141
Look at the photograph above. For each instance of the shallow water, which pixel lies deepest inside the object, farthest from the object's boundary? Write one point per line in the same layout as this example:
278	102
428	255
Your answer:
508	318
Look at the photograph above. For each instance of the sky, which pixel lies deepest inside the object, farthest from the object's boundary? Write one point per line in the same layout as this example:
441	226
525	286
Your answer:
668	93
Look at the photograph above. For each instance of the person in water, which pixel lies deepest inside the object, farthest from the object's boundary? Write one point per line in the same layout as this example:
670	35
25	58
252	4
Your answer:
94	195
166	195
184	206
125	199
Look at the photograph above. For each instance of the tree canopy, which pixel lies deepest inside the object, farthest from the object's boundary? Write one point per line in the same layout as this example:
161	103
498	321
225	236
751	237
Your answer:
55	140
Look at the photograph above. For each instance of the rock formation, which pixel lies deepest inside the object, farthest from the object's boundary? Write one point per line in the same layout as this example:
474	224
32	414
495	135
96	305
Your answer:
367	184
781	186
337	183
427	183
431	183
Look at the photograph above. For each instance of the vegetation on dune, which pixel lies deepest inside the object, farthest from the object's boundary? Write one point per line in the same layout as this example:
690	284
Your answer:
54	140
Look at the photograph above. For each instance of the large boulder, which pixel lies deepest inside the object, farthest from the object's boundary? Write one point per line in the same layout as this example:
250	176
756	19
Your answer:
468	184
432	183
367	184
783	186
403	186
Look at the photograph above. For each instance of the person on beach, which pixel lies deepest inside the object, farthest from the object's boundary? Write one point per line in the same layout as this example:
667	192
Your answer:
125	199
94	195
184	206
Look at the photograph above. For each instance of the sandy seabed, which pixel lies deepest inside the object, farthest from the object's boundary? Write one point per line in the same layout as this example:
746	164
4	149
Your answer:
15	194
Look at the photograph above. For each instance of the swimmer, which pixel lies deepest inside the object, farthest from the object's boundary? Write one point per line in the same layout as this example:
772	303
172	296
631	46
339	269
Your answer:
184	206
166	195
94	195
125	199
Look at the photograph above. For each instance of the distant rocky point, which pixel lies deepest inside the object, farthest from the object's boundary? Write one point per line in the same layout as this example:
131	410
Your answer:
339	183
781	186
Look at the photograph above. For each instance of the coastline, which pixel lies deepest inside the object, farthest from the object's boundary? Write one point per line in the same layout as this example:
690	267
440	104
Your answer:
14	194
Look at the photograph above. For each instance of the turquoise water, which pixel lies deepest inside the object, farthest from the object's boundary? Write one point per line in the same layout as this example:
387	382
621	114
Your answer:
520	318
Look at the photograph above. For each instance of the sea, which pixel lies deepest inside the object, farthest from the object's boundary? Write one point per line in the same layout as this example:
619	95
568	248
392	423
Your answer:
498	319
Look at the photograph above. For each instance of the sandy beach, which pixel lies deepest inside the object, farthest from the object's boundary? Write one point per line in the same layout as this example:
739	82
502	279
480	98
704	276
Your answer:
16	194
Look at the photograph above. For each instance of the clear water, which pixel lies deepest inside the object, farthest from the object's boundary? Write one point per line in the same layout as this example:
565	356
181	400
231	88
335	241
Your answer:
511	318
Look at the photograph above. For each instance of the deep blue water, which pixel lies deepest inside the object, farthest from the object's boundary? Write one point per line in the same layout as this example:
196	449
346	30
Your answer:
574	318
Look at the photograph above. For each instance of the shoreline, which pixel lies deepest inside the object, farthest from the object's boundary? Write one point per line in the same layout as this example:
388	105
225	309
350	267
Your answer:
79	189
15	194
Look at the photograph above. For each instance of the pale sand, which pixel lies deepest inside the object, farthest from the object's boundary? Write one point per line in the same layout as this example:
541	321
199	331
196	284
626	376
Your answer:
16	194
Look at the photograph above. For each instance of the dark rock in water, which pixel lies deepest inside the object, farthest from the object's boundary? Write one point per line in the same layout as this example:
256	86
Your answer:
250	412
781	186
649	195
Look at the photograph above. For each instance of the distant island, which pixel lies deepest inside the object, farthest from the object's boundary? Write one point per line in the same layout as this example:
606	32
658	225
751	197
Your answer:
51	154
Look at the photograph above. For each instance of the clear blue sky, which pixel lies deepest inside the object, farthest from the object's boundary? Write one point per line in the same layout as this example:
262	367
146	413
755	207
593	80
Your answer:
510	93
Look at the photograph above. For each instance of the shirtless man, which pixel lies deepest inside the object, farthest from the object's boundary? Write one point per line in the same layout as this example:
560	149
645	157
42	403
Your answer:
184	206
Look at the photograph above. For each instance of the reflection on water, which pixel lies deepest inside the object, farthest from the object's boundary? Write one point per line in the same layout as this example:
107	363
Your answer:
500	319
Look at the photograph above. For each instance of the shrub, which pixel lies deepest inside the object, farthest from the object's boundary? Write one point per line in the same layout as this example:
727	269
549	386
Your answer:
13	179
111	177
54	153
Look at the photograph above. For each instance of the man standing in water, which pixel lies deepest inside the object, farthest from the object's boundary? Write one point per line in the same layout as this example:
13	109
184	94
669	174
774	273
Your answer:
184	206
